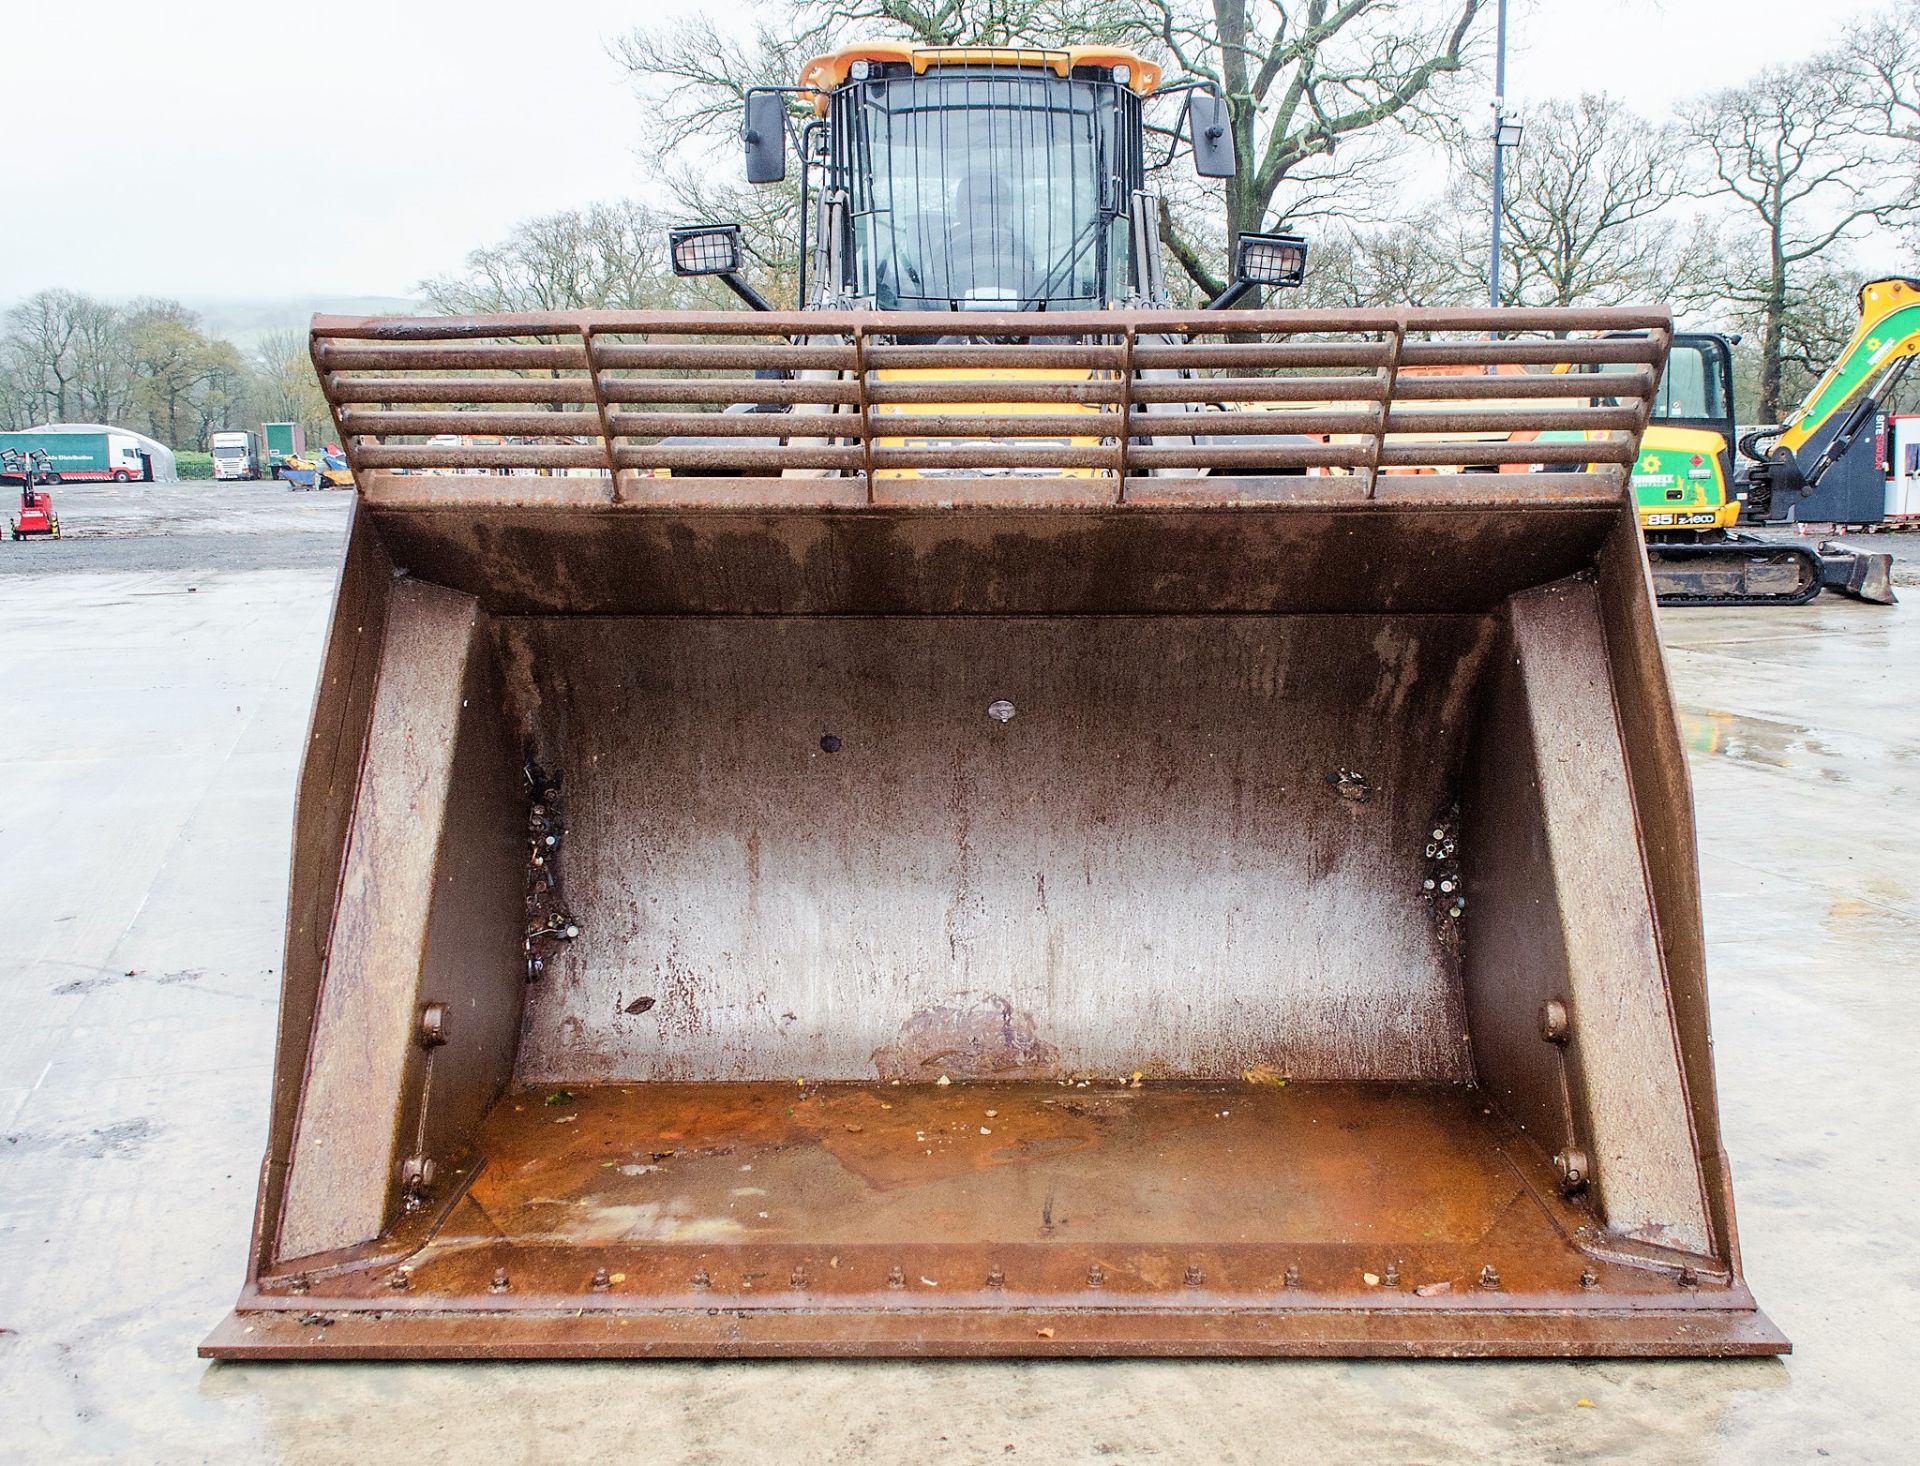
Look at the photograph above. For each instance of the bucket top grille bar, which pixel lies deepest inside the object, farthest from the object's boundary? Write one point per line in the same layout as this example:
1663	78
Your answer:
1094	404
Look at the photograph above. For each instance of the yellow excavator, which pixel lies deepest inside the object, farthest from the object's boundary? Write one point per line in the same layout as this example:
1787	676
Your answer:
1822	466
988	814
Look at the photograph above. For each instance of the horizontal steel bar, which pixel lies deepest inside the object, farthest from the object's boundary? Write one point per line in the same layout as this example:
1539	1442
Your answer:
1515	420
1207	354
344	356
734	424
945	357
500	455
1261	389
736	457
1612	449
1092	390
1506	320
1526	353
507	424
728	390
1418	385
696	354
459	389
1248	455
996	455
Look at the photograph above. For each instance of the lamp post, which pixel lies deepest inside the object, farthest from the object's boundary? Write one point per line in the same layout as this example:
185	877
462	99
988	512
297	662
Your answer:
1506	134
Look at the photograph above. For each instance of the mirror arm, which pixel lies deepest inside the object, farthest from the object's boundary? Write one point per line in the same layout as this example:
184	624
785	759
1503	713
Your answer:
737	283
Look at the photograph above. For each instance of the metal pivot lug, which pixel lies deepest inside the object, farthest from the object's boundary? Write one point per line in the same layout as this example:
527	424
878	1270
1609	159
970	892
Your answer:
433	1025
1574	1171
1490	1277
1391	1277
1194	1277
995	1278
1555	1027
500	1284
897	1277
1292	1278
1096	1276
602	1280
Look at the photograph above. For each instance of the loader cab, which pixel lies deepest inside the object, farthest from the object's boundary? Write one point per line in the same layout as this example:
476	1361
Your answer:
1683	480
966	178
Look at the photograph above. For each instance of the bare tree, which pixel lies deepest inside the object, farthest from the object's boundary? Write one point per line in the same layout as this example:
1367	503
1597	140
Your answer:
1588	213
1415	263
606	257
1789	156
42	347
1304	80
284	385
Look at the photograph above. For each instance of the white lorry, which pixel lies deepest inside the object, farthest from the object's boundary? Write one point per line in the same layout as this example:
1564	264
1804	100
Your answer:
235	455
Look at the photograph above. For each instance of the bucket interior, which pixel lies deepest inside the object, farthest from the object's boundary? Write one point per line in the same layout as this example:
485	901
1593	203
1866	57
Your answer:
943	934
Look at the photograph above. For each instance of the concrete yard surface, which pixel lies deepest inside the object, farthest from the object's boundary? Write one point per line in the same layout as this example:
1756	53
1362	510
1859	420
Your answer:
158	670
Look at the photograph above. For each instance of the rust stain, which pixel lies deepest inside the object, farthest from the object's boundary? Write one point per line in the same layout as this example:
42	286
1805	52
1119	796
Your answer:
975	1036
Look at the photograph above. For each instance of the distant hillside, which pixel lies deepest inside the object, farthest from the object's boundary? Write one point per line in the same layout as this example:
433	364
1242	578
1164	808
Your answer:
244	322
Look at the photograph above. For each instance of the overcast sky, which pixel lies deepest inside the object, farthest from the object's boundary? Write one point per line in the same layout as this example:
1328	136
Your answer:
384	140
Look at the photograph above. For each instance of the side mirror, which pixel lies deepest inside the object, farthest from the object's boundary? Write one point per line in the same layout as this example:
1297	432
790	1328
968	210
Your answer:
1271	259
1210	127
766	138
704	249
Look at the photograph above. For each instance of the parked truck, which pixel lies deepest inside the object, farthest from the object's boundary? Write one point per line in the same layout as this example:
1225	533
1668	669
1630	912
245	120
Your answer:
236	455
282	440
83	457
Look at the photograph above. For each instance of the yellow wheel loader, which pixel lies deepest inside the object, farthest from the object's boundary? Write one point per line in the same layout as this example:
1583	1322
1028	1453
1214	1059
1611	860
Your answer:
981	816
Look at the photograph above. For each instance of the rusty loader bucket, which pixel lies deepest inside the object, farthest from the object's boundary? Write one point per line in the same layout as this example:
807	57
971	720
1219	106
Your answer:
1125	840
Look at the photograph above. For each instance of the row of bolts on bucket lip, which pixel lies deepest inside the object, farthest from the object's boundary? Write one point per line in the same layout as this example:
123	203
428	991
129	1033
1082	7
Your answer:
401	1279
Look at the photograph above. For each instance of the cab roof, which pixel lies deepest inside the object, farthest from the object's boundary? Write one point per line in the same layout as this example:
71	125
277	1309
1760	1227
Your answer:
822	74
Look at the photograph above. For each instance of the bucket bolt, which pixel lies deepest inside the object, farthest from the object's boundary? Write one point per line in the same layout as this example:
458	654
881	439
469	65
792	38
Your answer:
1096	1276
433	1025
299	1283
1555	1026
1391	1277
1688	1278
1589	1278
1194	1277
797	1279
416	1181
701	1281
897	1277
400	1279
499	1283
602	1280
1574	1170
995	1278
1490	1277
1292	1278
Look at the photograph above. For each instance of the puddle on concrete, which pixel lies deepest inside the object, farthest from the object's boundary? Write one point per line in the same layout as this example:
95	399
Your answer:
1767	741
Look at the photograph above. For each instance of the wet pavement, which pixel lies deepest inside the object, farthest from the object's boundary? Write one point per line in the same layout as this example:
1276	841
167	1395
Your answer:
158	666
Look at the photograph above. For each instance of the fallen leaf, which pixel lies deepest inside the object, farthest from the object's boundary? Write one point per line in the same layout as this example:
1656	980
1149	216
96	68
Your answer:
1265	1074
855	1129
942	1082
992	1113
1372	1280
560	1097
1044	1333
985	1131
1428	1290
1584	1404
617	1277
566	1119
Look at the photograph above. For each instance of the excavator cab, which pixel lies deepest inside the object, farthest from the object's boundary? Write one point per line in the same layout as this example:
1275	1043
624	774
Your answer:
988	816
